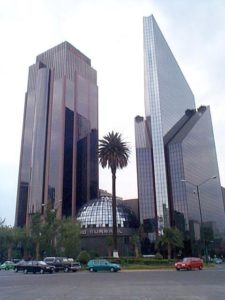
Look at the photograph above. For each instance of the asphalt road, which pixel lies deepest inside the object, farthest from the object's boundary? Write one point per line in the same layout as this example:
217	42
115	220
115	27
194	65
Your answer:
208	284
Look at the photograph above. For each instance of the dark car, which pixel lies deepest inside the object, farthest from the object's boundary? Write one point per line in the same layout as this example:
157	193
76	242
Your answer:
189	263
102	265
34	266
20	265
59	263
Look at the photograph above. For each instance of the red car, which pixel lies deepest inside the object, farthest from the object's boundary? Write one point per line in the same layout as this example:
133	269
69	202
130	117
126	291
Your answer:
189	263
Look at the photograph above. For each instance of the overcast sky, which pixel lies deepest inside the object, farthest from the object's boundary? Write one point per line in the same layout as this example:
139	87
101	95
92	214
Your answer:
109	32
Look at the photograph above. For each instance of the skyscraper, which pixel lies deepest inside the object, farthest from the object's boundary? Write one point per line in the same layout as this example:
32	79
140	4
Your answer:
58	163
171	119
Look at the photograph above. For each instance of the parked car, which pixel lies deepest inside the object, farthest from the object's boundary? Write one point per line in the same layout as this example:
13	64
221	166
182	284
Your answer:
73	266
20	265
217	261
95	265
7	265
34	266
61	263
189	263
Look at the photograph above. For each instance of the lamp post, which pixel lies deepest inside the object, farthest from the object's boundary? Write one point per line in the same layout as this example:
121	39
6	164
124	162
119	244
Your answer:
200	209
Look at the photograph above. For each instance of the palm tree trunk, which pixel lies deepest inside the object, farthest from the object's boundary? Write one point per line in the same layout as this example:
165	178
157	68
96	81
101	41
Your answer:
114	211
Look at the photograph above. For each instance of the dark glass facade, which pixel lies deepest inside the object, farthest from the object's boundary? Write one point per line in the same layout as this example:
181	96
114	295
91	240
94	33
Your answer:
191	155
59	164
175	142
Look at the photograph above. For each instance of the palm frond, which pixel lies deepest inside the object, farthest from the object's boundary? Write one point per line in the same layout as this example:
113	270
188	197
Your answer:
113	151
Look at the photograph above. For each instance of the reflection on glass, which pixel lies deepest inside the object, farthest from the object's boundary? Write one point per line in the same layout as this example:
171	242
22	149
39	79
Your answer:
98	213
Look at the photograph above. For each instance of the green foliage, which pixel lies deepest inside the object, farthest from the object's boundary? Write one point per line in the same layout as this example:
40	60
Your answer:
51	225
145	261
69	237
45	236
10	242
83	257
171	238
113	152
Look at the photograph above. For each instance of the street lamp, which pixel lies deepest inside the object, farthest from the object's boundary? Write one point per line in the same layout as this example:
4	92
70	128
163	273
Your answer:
200	209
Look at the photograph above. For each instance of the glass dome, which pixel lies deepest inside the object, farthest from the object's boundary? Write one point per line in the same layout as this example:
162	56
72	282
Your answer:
98	213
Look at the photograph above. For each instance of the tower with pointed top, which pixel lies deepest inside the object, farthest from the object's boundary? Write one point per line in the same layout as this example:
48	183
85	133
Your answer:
169	146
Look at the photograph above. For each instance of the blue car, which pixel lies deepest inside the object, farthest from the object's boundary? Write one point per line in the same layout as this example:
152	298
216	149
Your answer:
95	265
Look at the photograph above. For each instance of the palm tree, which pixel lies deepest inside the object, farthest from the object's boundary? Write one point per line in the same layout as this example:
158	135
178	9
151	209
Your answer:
113	152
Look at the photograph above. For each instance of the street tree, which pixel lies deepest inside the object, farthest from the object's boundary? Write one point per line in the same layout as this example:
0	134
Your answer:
36	230
171	238
113	153
69	237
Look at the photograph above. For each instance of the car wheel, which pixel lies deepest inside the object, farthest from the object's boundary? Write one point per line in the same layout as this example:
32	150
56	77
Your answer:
91	269
200	268
178	269
189	269
25	271
66	270
42	271
112	270
16	270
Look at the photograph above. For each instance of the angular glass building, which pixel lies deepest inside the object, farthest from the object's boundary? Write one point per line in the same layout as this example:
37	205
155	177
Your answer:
58	163
194	187
174	145
167	95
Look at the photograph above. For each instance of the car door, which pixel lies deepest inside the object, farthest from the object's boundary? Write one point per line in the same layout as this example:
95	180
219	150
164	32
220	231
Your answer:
195	263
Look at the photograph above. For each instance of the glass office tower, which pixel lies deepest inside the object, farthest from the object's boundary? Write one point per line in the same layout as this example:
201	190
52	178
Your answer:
191	155
167	95
169	102
59	163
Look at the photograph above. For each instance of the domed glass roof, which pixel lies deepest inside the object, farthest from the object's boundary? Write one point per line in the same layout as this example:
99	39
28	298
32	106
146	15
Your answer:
98	213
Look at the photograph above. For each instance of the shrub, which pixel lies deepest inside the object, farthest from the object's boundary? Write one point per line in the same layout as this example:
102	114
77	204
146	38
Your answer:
83	257
146	261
